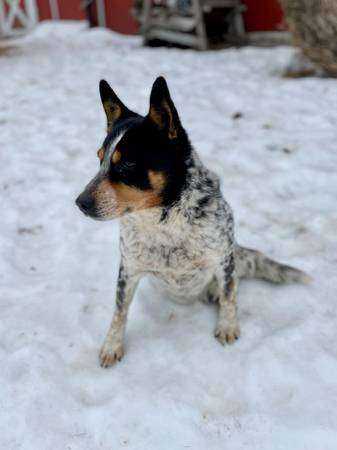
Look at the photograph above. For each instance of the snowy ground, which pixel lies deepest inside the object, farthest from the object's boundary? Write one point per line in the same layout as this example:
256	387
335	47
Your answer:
176	388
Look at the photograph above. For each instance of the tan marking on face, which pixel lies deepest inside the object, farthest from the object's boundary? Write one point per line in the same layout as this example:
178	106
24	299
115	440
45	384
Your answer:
116	156
100	154
157	181
117	198
135	199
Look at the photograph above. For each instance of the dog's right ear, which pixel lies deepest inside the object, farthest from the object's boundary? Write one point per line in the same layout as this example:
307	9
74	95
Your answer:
162	111
114	108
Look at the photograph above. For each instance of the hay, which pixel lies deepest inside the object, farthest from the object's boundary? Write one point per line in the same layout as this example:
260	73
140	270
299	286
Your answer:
313	24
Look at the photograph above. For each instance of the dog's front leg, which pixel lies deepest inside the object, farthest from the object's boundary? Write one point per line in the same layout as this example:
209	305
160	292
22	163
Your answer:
227	329
112	349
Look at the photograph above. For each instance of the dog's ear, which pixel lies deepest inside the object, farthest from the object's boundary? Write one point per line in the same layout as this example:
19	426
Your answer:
114	108
162	110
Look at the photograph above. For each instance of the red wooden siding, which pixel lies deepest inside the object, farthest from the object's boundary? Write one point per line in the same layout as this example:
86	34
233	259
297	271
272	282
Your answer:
68	9
119	17
43	9
261	15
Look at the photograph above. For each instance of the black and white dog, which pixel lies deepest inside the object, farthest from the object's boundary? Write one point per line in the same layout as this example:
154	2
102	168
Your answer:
175	223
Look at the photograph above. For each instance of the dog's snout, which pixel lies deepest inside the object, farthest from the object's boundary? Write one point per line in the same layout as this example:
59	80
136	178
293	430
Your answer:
85	202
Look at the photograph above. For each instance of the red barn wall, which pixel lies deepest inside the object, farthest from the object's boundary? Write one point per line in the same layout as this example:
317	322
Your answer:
43	9
71	10
68	9
261	15
119	17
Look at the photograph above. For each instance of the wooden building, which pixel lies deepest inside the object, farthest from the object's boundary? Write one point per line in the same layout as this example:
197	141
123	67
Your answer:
260	15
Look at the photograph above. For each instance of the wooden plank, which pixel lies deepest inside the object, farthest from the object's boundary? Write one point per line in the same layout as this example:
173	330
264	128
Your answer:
190	40
145	15
201	29
209	4
2	18
174	23
54	9
100	6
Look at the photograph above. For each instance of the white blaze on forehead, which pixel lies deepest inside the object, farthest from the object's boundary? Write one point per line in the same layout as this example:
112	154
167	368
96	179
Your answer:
109	151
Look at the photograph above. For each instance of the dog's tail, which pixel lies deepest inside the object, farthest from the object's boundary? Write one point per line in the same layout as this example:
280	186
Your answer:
253	264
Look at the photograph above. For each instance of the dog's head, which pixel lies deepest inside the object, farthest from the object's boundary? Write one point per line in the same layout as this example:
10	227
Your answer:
142	159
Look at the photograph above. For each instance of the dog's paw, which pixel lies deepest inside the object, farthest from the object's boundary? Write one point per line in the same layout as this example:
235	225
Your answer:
228	334
109	354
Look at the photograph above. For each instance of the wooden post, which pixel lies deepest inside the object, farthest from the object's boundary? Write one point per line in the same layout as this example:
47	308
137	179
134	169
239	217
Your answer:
145	20
2	19
100	5
200	25
54	9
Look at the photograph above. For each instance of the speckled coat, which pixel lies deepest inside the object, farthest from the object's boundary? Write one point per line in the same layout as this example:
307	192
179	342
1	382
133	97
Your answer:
191	255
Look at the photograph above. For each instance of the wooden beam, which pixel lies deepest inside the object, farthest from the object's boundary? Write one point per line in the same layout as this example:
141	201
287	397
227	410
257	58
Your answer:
187	39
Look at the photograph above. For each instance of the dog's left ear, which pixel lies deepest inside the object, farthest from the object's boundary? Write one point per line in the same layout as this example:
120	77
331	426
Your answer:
114	108
162	110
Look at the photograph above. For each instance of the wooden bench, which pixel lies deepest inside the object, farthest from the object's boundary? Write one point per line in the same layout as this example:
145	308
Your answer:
185	22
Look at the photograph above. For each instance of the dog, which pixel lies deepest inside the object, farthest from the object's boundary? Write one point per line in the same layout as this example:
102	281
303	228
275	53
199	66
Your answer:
175	223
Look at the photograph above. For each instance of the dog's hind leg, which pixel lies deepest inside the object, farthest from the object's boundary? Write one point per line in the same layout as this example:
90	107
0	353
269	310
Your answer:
254	264
112	349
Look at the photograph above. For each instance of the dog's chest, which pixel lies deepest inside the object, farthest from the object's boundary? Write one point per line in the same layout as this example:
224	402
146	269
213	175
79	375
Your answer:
174	256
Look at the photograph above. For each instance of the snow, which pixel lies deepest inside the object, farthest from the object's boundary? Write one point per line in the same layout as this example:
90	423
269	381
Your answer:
176	387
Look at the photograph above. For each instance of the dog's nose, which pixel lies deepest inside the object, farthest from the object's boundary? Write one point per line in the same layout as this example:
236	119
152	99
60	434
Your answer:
85	202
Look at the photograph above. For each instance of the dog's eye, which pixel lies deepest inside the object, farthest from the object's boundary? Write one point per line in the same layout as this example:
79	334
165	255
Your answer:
100	154
125	166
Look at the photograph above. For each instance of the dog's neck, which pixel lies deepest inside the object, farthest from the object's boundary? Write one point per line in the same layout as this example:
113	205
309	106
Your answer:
200	190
